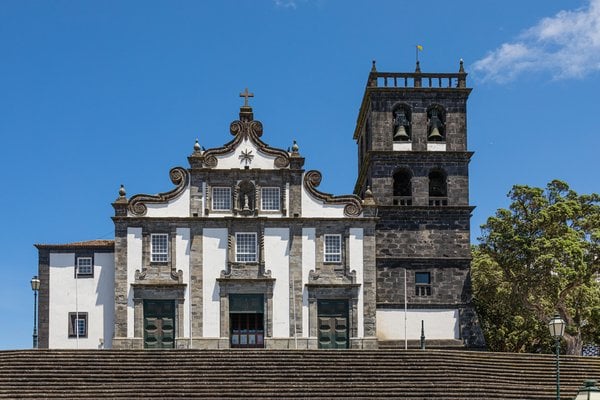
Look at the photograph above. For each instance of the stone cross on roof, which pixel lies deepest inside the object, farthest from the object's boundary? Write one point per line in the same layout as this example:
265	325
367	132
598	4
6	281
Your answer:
246	94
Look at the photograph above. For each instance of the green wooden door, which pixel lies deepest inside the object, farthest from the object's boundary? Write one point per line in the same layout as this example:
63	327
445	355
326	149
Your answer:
333	324
159	324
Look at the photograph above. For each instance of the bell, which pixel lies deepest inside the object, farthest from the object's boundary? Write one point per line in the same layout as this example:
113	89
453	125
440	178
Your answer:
435	135
401	134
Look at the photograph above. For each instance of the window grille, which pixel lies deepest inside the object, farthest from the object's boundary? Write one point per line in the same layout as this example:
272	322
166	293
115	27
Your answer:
245	247
221	198
333	248
160	247
84	266
270	199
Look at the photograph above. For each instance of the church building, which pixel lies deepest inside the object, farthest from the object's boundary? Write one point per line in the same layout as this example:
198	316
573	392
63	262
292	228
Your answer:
246	252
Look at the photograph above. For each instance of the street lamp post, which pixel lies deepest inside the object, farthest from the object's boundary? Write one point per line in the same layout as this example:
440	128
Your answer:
589	391
35	286
557	330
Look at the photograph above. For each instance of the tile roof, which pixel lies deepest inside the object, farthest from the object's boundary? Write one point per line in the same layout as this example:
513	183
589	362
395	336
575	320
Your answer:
98	243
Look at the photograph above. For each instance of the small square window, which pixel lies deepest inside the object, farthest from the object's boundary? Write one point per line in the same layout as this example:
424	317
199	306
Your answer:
333	248
159	247
221	198
423	284
245	247
269	199
85	267
78	324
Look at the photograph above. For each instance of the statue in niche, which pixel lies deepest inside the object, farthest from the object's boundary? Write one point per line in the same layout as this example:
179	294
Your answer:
401	125
436	125
246	196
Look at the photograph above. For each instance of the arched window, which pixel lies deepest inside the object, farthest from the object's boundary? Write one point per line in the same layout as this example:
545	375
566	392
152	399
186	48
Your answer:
402	188
436	123
402	123
437	188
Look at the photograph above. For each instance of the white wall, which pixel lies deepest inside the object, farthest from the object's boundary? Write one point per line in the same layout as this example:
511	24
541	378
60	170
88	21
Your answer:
355	243
134	262
182	257
178	207
92	295
439	324
308	263
214	260
312	207
232	160
277	260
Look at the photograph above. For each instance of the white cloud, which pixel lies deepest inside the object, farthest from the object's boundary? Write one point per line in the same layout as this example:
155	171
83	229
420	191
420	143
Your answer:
286	3
566	45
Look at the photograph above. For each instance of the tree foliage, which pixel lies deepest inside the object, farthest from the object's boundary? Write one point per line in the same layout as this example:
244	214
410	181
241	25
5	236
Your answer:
537	258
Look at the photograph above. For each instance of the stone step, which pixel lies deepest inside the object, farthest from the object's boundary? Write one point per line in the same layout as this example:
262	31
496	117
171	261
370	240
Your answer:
260	374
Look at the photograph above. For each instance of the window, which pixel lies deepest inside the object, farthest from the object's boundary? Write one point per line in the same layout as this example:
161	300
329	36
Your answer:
423	284
402	188
437	188
333	248
78	324
85	267
221	198
269	199
245	247
160	247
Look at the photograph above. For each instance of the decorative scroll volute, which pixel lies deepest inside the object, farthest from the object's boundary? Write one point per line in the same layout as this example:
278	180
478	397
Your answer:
179	176
246	129
353	207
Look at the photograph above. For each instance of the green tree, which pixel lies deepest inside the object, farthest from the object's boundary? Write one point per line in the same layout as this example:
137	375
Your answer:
539	257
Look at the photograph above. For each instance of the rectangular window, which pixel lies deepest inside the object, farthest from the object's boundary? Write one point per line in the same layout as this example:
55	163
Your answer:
78	324
422	283
160	247
245	247
85	267
333	248
269	199
221	198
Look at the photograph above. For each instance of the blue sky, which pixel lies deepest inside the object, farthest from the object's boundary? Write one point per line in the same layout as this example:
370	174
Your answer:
95	94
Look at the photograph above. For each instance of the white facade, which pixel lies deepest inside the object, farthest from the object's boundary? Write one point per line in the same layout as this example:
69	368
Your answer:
88	297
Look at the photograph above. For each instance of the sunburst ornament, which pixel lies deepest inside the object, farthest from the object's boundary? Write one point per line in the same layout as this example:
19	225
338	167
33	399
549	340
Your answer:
246	156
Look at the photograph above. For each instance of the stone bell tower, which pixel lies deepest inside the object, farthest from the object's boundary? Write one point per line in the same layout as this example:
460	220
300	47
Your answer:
412	157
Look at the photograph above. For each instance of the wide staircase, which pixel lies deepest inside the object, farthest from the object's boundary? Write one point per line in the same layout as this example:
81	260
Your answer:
268	374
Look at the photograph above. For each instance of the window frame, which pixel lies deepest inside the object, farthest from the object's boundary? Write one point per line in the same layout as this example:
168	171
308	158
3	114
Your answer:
154	253
228	197
263	197
79	274
237	245
423	289
73	328
338	253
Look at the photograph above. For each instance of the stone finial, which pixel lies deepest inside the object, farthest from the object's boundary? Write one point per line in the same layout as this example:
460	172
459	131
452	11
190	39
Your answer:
197	146
368	199
461	69
374	68
122	191
295	148
418	68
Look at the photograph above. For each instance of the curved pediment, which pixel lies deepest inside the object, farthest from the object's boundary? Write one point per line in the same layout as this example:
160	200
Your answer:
245	150
350	203
138	205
